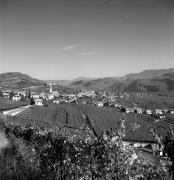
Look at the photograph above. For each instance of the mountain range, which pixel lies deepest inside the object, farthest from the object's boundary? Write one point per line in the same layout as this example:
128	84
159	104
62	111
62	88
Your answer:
146	81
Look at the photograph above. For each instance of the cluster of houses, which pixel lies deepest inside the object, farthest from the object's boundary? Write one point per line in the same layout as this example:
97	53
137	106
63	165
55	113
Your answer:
15	95
139	110
86	93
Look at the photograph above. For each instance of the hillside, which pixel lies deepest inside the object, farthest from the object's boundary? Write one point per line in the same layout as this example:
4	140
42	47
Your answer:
162	83
18	80
150	74
96	84
145	81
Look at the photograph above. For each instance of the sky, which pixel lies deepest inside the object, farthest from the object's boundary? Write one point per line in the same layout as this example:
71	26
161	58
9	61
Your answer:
66	39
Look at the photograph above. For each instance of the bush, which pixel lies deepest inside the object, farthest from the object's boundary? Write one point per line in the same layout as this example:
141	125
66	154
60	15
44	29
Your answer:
61	154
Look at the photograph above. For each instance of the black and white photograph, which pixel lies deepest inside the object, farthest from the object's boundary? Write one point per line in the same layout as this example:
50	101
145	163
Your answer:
86	89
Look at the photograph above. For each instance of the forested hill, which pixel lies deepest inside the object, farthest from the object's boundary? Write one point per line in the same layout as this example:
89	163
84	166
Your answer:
18	80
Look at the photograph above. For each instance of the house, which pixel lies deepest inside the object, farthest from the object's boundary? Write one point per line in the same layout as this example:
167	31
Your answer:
55	93
106	104
165	110
138	110
43	95
6	95
148	111
158	111
117	105
161	117
22	93
50	96
172	112
56	101
16	98
38	102
137	143
100	104
129	110
35	96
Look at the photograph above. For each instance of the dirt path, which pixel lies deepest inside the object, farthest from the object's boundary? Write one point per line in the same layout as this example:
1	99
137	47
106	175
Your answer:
3	140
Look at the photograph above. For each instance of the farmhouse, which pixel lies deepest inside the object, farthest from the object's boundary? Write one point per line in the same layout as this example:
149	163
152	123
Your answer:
38	102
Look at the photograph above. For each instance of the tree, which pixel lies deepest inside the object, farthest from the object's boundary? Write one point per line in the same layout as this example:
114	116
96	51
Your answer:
11	95
29	94
32	101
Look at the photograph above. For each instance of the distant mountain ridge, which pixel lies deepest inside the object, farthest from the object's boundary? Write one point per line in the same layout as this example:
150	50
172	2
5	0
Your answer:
18	80
145	81
149	74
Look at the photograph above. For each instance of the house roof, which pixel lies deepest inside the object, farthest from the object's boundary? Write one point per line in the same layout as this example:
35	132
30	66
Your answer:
38	100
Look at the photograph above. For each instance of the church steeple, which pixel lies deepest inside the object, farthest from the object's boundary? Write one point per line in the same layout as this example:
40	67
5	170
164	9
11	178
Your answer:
51	88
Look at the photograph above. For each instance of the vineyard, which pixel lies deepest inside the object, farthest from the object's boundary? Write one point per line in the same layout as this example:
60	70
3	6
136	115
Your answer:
98	119
71	115
6	104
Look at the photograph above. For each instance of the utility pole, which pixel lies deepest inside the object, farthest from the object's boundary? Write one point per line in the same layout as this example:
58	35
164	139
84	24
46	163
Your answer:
172	148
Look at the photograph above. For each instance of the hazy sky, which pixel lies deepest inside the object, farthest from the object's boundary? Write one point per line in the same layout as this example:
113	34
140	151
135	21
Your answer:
65	39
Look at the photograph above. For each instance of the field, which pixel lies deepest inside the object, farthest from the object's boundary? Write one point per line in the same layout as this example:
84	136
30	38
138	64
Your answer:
6	104
99	119
70	115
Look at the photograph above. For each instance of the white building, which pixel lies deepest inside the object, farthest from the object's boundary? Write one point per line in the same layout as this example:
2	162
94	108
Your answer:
56	101
172	112
139	110
50	96
6	95
129	110
158	111
148	111
100	104
35	96
16	98
38	102
55	93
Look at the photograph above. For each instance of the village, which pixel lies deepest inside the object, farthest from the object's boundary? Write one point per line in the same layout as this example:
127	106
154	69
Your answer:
91	97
